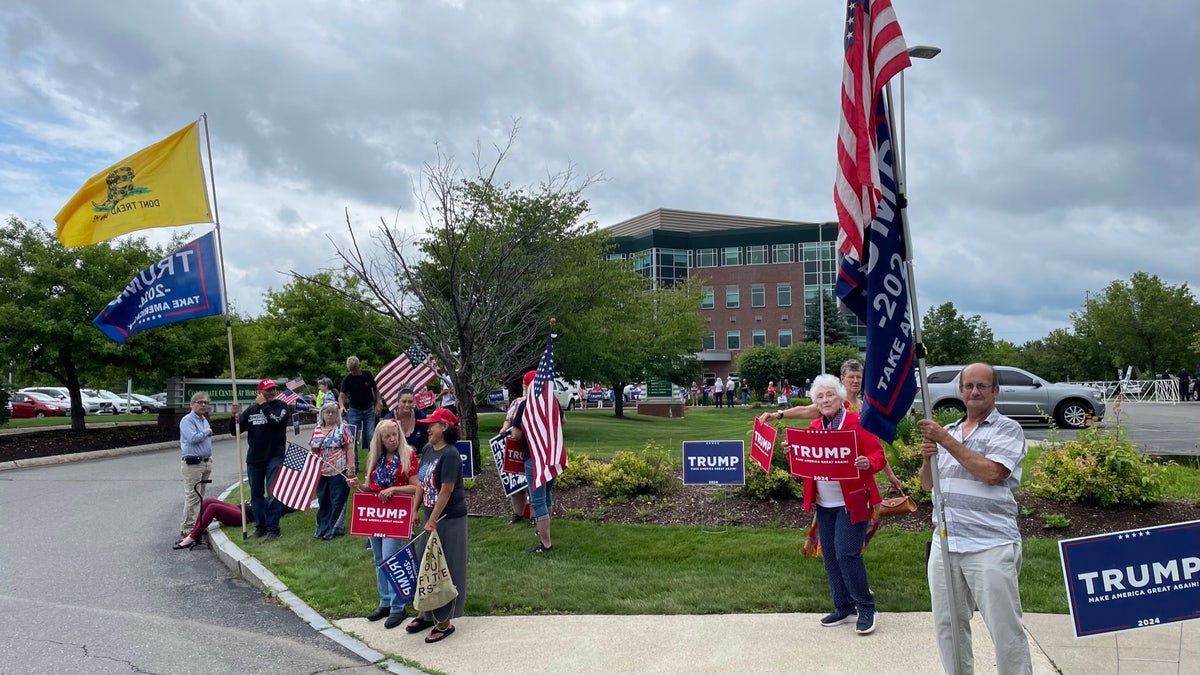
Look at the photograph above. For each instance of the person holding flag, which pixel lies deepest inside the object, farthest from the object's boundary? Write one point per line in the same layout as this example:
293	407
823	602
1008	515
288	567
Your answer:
266	423
538	427
333	441
391	470
445	505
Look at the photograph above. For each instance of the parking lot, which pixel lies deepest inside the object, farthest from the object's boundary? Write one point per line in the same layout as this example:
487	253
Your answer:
1160	428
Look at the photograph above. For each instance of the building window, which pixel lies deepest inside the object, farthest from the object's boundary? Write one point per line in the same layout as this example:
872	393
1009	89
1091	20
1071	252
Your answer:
785	337
783	295
706	257
733	339
756	255
615	256
707	300
758	337
733	297
732	256
758	296
783	253
710	341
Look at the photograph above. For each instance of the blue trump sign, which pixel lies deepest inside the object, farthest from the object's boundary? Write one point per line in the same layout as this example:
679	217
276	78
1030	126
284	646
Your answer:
401	570
467	452
184	285
714	463
1132	579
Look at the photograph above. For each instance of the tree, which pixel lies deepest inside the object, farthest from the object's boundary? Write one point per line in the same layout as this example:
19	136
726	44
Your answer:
629	332
761	364
494	265
954	339
51	295
837	329
312	326
802	361
1066	356
1143	323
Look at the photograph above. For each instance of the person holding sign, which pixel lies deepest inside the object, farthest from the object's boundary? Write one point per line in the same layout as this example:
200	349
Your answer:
391	470
979	461
844	511
519	499
445	505
333	442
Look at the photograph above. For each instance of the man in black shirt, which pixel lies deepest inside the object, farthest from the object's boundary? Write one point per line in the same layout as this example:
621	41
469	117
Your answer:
358	399
265	422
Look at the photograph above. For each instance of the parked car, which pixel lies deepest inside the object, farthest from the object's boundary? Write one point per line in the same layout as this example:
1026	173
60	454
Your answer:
1022	395
32	404
92	404
148	404
119	404
566	393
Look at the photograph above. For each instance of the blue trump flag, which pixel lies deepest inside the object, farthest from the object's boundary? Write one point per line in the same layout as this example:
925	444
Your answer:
184	285
401	569
876	289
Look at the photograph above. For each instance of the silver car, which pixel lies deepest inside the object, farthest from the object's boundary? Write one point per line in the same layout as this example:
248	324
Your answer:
1022	394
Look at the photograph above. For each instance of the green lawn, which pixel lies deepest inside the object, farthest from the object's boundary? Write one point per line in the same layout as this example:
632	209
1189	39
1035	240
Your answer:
89	420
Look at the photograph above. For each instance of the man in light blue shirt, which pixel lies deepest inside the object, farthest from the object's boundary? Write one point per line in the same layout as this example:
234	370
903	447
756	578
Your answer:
195	444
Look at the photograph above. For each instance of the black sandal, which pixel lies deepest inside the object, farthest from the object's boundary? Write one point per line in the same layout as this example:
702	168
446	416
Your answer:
438	634
418	624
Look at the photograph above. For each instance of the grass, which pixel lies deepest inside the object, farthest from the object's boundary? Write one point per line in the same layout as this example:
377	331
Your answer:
601	568
1181	478
90	420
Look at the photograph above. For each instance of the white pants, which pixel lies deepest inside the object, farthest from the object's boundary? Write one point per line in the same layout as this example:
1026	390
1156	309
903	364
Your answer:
987	580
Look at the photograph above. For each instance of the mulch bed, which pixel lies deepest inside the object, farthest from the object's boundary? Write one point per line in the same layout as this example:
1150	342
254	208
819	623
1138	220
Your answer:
690	505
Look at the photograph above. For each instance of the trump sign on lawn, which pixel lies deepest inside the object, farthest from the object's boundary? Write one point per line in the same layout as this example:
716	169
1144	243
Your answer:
714	463
1133	579
370	516
466	450
762	444
511	482
822	454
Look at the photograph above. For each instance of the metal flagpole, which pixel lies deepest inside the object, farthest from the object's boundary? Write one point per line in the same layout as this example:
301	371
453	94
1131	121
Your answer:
237	437
919	351
820	291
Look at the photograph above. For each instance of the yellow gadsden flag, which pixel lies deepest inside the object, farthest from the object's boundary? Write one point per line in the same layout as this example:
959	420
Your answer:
159	186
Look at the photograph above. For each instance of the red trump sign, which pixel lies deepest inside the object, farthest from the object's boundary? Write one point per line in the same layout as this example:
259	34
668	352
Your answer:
762	444
370	516
822	454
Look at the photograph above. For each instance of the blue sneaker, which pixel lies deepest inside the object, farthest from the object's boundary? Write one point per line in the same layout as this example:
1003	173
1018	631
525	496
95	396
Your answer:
837	618
866	623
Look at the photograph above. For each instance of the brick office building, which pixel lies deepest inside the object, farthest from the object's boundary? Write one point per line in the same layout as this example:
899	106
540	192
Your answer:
759	275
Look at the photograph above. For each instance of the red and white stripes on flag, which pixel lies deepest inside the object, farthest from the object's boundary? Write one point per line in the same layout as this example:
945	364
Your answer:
541	422
875	51
297	478
413	368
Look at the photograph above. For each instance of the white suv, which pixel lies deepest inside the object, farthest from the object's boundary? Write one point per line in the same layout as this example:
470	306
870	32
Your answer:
119	404
92	404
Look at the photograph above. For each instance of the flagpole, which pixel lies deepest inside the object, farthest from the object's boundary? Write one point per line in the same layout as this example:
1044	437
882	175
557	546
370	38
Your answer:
237	436
939	508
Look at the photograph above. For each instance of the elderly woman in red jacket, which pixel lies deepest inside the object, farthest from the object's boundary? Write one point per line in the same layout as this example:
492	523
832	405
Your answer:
844	511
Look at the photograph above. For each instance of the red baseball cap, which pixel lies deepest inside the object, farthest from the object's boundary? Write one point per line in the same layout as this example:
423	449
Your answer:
529	377
267	383
441	415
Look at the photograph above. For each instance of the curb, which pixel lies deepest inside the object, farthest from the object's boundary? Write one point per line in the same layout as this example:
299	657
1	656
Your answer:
256	574
82	456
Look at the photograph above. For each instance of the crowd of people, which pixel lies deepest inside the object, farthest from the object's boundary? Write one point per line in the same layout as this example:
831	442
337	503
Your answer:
973	564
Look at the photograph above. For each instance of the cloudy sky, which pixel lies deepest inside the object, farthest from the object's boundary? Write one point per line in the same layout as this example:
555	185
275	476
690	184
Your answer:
1053	146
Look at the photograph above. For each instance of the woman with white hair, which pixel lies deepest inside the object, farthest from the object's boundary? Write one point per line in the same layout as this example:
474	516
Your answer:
333	442
843	511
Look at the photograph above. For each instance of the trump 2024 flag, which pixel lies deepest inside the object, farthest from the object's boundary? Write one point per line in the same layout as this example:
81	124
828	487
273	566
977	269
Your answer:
184	285
297	478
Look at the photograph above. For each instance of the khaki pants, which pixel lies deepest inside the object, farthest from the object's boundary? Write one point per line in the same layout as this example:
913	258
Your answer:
193	474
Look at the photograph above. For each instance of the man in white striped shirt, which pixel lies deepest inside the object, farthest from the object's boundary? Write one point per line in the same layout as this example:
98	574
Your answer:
979	466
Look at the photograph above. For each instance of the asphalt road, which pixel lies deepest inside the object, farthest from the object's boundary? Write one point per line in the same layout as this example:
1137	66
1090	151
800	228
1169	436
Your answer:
1159	428
89	583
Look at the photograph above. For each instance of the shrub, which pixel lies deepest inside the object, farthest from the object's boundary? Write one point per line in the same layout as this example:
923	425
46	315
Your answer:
1055	521
777	485
649	472
578	471
1096	468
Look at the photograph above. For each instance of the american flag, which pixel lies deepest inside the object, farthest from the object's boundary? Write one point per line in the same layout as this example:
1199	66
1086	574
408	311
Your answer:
297	478
875	51
542	424
295	384
413	368
288	396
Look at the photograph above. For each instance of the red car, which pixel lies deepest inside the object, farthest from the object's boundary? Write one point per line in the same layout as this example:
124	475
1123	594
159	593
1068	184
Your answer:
30	404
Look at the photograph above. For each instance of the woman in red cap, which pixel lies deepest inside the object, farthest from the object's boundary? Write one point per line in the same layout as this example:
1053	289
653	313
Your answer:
540	499
441	474
520	500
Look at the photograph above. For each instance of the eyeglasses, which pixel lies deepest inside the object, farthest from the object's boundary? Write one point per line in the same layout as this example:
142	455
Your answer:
201	403
976	387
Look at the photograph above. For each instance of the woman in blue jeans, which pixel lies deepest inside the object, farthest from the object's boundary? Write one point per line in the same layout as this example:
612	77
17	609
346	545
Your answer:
391	470
541	500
